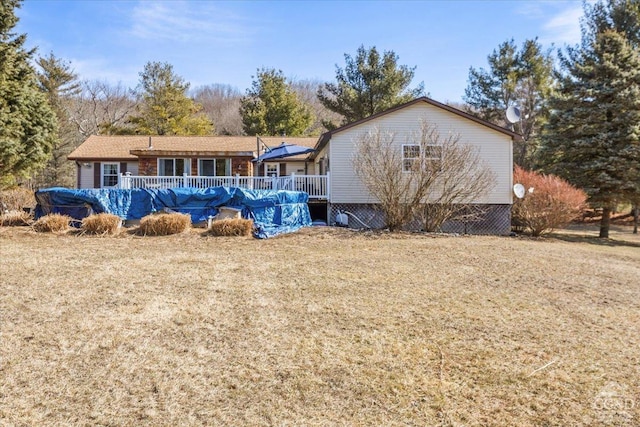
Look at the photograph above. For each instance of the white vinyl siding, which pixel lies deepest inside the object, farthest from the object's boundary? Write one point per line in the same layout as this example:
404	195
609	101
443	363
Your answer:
321	162
132	168
86	175
494	148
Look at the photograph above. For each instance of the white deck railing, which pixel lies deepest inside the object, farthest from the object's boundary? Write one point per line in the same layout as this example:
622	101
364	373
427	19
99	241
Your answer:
317	186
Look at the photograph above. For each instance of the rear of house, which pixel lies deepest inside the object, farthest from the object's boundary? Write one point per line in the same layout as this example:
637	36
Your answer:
328	175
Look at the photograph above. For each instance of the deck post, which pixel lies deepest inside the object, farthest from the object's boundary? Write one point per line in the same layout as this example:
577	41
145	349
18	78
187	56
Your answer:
292	179
120	176
328	188
237	180
185	180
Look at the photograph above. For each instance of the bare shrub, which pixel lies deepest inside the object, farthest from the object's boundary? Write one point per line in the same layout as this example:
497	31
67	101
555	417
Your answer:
551	202
15	218
102	224
16	199
231	227
427	177
52	223
164	224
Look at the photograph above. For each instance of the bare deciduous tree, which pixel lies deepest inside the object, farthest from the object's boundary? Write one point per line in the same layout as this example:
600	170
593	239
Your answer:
221	104
102	108
427	174
307	90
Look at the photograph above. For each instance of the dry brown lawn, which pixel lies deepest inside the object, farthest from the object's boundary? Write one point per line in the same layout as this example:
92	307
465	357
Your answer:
321	327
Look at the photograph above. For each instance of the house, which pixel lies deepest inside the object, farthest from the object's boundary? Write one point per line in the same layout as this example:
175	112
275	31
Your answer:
327	175
102	160
335	151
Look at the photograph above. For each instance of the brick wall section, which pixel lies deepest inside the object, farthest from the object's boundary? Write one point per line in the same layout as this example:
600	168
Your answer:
242	166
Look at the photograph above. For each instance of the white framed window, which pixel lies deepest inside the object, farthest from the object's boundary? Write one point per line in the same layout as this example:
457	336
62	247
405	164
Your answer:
214	167
433	153
410	157
173	167
272	169
109	174
414	156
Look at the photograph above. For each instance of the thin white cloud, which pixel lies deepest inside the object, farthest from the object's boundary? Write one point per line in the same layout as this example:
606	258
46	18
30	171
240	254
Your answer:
101	69
530	9
188	22
564	26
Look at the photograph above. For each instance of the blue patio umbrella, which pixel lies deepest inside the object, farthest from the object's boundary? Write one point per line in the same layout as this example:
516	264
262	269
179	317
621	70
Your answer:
283	150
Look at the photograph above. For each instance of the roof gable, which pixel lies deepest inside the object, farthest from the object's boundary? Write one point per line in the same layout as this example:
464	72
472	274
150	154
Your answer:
325	137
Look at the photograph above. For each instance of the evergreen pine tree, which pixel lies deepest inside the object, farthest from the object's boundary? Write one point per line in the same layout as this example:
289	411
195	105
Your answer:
514	78
370	83
593	136
165	108
60	84
27	124
271	107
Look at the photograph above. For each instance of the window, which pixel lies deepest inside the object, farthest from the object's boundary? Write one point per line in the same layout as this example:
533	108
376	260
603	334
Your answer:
110	173
410	157
173	167
214	167
272	169
433	152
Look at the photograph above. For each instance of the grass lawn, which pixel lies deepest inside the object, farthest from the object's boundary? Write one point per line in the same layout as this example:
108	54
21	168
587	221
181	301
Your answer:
321	327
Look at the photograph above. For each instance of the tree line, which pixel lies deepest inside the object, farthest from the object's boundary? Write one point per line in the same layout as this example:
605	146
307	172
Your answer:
580	106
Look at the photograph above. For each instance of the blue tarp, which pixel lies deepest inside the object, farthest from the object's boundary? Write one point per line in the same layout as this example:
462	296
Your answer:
273	212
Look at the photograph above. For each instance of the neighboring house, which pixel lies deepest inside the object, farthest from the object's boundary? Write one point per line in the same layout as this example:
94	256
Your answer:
328	174
335	151
101	160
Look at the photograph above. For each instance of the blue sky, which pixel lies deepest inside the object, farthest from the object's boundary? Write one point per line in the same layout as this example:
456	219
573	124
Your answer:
225	42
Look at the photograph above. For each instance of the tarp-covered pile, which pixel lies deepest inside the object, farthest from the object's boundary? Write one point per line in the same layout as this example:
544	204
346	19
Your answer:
273	212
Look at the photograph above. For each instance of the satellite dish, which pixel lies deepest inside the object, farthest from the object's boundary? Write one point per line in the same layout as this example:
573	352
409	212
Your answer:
519	190
513	114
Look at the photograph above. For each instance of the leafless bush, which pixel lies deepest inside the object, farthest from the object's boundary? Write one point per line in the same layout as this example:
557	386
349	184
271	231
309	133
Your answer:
16	199
164	224
103	223
550	203
231	227
52	223
428	176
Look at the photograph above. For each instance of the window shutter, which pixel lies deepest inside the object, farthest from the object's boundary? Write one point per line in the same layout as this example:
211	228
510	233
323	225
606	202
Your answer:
123	167
96	175
283	169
